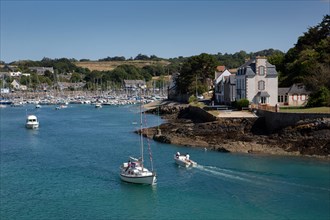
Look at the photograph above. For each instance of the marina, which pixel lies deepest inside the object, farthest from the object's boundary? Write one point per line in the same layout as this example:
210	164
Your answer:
99	100
69	172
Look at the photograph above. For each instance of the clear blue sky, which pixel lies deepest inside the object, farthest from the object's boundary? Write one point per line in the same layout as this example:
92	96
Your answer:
95	29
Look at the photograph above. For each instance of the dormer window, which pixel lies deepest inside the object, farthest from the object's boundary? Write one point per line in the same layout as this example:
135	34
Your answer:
261	70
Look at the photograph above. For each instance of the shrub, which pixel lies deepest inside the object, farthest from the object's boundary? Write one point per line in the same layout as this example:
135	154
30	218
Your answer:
192	99
319	98
242	103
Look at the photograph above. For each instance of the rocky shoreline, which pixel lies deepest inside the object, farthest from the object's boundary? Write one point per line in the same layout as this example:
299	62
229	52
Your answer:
243	135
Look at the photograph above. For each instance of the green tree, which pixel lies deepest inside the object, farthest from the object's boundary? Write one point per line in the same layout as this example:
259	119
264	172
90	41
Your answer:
75	77
310	55
195	72
141	57
319	98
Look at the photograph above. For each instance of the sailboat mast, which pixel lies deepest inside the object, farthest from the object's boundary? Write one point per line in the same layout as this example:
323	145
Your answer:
141	137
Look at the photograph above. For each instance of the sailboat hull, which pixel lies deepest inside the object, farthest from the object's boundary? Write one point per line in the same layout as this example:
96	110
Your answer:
150	180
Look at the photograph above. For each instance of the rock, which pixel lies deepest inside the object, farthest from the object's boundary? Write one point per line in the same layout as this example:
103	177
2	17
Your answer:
307	137
162	139
222	150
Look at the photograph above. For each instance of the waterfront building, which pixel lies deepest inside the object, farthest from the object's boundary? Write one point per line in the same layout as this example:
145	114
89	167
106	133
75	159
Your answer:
295	95
219	83
257	81
229	89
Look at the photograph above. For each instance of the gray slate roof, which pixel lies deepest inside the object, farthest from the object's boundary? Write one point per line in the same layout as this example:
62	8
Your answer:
263	94
298	89
249	68
283	91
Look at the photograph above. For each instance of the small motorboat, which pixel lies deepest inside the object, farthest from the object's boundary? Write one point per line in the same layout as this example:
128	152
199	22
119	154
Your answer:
184	160
61	107
98	105
32	122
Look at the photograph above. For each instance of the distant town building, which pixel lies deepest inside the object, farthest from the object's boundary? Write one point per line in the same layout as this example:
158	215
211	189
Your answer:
26	74
9	68
41	70
15	74
15	84
4	90
134	84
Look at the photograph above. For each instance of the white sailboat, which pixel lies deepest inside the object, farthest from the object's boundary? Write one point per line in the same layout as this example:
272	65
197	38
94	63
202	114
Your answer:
134	170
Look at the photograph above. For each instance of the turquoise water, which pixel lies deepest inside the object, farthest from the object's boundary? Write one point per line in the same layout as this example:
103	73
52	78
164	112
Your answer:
69	169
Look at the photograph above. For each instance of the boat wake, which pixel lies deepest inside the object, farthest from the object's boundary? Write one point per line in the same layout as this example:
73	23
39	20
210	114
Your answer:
252	177
222	173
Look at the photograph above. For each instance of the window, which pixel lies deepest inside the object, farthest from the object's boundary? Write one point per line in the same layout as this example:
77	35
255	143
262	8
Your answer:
280	99
261	70
263	100
261	85
303	97
295	97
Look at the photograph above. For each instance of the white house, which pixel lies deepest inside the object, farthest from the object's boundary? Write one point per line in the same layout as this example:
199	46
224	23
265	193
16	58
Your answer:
257	81
15	84
219	89
15	74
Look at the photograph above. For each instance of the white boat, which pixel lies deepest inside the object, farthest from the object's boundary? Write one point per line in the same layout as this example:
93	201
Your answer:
134	170
32	122
184	160
98	105
61	107
38	106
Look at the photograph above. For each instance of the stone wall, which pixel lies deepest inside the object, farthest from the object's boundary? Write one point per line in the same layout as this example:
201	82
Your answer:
201	114
277	120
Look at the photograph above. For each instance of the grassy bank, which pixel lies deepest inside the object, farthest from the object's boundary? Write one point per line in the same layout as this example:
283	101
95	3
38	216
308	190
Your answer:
305	110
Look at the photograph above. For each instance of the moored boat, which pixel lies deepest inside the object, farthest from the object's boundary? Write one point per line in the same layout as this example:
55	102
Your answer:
32	122
98	105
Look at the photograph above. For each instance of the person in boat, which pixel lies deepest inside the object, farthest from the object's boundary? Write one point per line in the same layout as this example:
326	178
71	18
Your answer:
128	165
187	157
177	154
